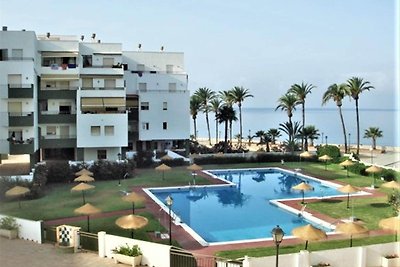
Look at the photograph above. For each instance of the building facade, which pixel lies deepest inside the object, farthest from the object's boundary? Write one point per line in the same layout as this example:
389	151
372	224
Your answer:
64	97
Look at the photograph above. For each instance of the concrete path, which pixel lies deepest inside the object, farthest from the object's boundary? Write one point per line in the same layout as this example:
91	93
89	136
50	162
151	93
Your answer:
17	252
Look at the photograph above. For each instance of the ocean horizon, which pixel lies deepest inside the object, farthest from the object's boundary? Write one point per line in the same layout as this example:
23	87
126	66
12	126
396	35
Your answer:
326	120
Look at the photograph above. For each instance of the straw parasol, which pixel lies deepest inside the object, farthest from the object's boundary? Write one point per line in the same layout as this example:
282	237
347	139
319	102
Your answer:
308	233
392	223
84	171
391	184
162	168
131	222
84	178
346	164
351	228
348	189
193	168
303	187
325	158
87	210
133	197
373	169
82	187
306	155
17	191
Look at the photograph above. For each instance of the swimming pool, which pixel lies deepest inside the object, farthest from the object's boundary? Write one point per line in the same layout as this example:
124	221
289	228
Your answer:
242	209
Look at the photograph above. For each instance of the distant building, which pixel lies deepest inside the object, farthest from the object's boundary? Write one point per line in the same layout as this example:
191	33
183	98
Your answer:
64	97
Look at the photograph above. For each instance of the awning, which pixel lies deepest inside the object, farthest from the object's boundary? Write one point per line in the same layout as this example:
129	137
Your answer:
114	102
60	54
89	102
132	103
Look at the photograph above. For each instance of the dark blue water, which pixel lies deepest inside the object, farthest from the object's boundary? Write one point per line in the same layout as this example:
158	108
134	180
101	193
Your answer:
243	211
327	120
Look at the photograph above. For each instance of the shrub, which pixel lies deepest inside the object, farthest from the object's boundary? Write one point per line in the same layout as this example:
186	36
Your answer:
174	162
389	175
128	251
59	171
394	201
144	158
8	223
358	168
332	151
109	170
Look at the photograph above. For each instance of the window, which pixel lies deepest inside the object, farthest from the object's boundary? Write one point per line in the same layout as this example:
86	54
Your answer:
102	154
87	60
3	54
109	130
95	130
172	86
170	68
165	125
164	105
16	53
146	126
43	106
87	83
140	67
108	62
109	83
51	130
144	106
143	86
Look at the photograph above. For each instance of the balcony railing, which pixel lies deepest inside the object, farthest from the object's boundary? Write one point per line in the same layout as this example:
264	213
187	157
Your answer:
20	90
22	146
141	72
102	88
57	117
58	93
17	59
20	119
104	66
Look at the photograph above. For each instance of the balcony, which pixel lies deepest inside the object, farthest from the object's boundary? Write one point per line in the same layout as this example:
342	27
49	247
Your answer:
24	119
17	59
20	90
18	148
58	141
103	88
60	69
102	70
133	115
58	93
57	117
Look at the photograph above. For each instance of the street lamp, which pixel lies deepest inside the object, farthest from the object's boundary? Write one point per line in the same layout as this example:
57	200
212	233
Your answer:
322	138
349	143
169	202
326	140
277	236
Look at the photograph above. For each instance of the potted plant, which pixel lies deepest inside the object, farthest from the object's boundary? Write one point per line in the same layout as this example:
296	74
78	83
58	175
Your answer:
9	227
391	260
128	254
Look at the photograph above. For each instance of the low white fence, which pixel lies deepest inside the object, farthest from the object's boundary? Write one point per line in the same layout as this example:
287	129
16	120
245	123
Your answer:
368	256
153	254
29	230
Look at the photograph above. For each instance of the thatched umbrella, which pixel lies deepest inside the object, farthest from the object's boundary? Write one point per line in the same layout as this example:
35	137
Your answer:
308	233
305	155
391	184
84	178
84	171
131	222
325	158
392	223
87	210
346	164
17	191
351	228
348	189
162	168
373	169
82	187
303	187
193	168
133	197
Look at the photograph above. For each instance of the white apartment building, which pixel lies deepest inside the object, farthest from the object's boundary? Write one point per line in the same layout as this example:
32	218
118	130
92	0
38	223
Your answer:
64	97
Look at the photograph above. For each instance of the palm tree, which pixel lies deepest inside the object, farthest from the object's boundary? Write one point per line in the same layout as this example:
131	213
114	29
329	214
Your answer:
194	110
301	91
292	130
226	97
337	92
356	86
205	95
239	94
373	133
215	104
225	115
274	133
309	133
287	103
264	139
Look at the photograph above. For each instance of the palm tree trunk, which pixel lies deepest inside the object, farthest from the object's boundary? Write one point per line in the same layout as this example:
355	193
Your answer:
208	128
305	144
226	137
373	143
216	130
195	128
344	129
303	108
240	123
358	128
230	131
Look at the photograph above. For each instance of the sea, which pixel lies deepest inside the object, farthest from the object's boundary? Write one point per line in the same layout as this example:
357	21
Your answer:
326	120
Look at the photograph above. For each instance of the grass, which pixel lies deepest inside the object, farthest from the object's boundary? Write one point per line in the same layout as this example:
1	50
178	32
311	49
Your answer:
60	202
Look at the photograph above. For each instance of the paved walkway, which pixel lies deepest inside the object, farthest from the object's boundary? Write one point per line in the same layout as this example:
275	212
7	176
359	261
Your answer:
18	252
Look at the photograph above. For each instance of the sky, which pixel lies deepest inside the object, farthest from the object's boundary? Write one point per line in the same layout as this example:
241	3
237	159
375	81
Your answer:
265	46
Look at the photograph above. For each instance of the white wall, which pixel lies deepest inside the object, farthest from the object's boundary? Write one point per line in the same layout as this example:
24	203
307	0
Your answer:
153	254
29	230
91	153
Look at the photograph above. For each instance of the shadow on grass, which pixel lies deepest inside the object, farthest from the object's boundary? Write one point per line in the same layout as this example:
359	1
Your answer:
333	201
379	205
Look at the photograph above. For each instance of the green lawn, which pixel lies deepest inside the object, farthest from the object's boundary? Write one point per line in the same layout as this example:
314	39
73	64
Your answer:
60	202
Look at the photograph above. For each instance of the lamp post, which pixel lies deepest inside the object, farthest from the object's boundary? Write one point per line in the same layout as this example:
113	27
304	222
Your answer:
277	236
169	202
349	143
322	138
326	140
119	160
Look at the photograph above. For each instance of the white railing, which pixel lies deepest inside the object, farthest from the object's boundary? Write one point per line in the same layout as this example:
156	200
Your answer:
29	230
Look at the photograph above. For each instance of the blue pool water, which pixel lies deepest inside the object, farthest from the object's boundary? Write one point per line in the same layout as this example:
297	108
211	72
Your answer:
241	211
